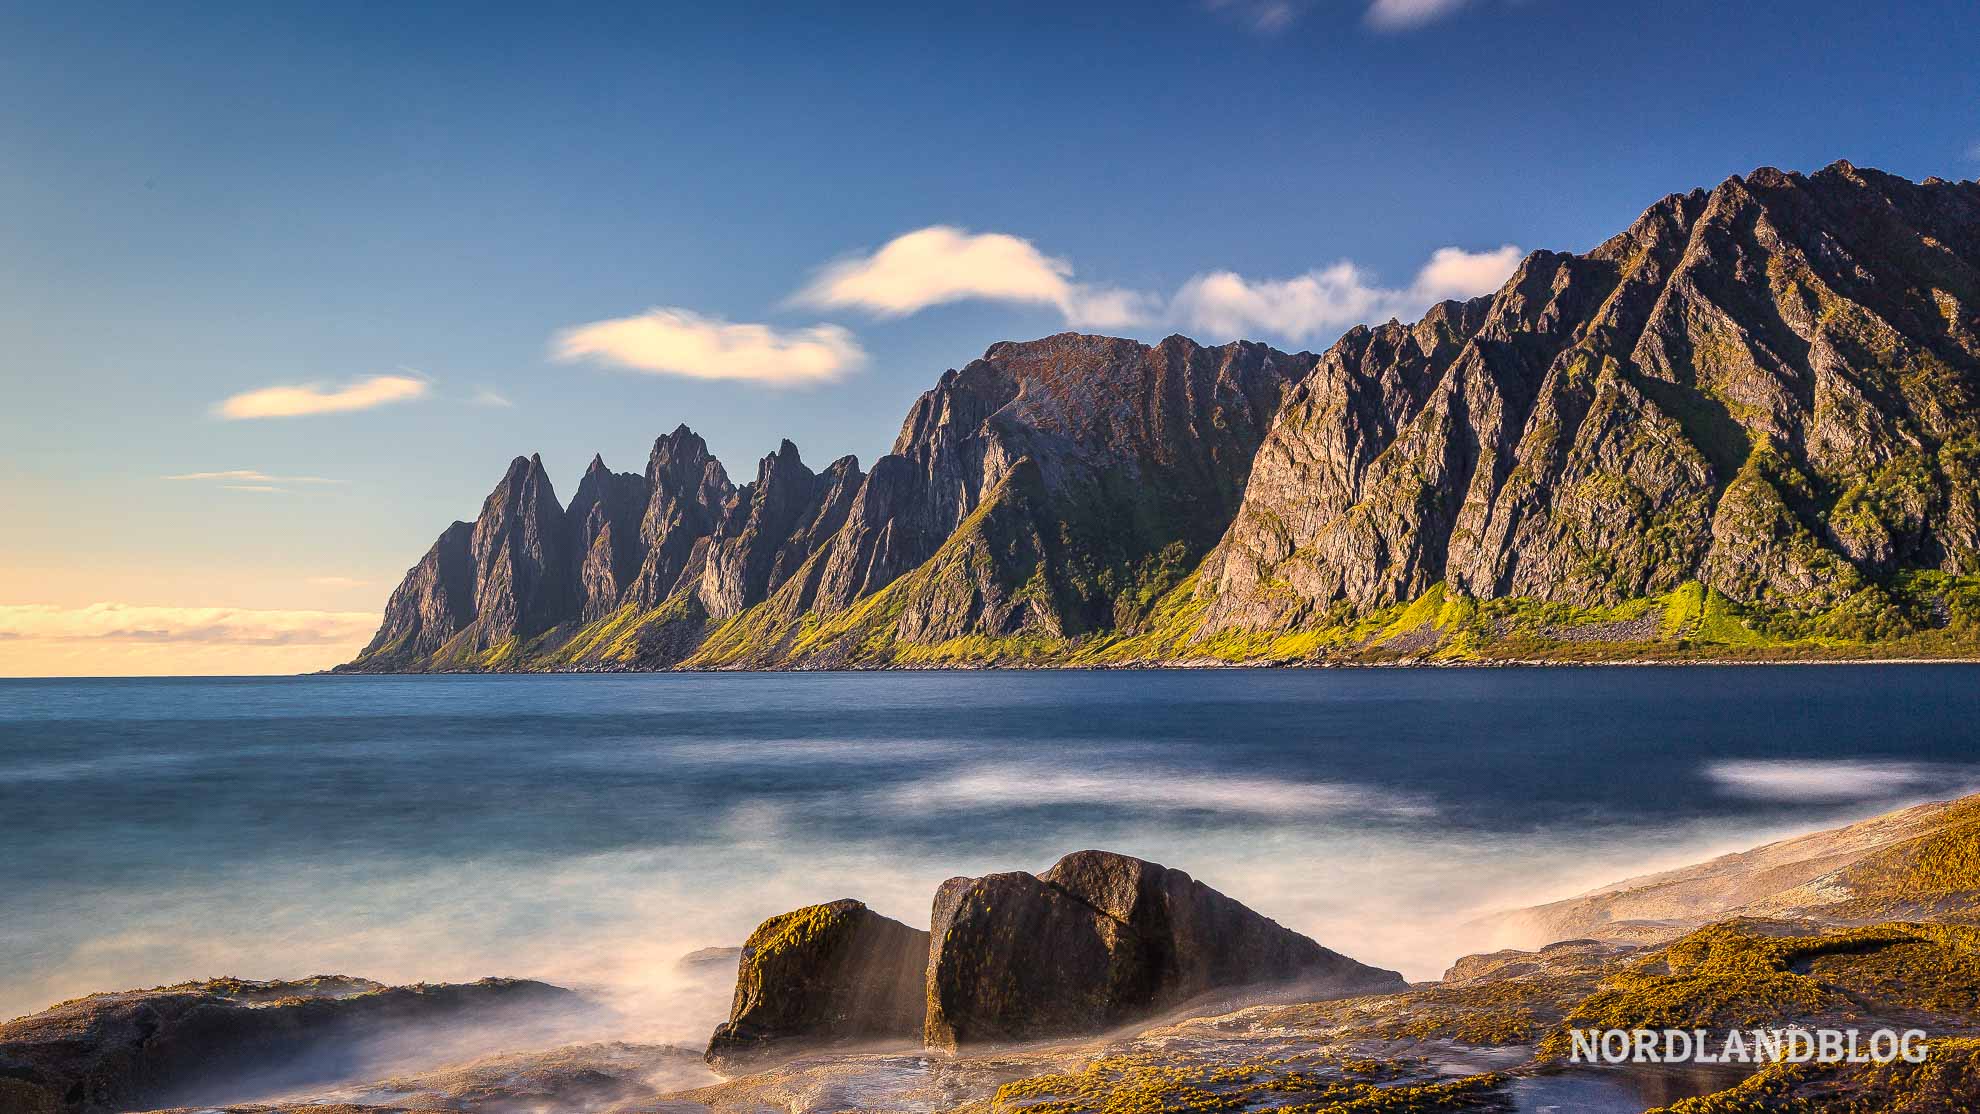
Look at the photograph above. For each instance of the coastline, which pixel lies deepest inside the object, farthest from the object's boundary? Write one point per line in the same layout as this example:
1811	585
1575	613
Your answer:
1152	666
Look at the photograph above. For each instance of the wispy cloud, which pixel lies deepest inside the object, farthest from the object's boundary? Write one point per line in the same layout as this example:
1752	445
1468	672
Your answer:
942	264
251	480
1405	15
1269	17
1265	16
673	341
483	396
250	476
123	622
1323	302
314	398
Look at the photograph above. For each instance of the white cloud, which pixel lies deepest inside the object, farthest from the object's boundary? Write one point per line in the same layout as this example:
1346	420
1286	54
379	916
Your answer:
1265	16
122	622
1323	302
672	341
1404	15
249	476
1457	274
941	264
1269	17
251	480
485	397
314	398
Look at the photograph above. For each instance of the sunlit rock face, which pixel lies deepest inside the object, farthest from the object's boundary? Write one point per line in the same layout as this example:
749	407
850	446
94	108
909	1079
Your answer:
1772	387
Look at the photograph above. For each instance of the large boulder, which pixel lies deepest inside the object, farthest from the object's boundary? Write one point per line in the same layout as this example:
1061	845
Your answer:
837	973
1099	940
227	1039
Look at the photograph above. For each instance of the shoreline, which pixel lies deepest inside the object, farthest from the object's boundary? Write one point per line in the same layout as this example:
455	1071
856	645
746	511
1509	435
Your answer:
1203	665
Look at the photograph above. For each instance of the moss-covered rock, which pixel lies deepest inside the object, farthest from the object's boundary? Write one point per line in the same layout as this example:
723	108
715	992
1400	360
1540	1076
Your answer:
837	973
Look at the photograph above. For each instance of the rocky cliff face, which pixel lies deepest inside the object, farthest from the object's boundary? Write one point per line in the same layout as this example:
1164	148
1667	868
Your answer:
1768	388
1751	421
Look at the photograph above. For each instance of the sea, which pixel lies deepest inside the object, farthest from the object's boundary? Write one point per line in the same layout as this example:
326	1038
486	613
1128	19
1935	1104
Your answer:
591	830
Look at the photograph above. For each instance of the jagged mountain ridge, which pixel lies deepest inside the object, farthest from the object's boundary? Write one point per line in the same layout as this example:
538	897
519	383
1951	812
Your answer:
1049	474
1752	417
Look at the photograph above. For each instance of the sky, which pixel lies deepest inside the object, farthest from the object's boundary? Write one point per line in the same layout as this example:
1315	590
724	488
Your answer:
283	287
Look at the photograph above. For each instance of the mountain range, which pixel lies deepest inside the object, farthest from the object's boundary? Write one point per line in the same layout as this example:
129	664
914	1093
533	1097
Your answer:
1746	427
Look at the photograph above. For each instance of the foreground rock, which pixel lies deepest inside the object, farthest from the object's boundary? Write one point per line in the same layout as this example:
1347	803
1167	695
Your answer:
837	973
225	1038
1099	940
595	1077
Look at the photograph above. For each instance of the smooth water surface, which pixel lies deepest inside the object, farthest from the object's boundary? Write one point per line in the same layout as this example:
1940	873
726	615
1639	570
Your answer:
592	829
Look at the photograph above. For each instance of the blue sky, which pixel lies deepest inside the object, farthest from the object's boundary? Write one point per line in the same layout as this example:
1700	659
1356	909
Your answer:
199	202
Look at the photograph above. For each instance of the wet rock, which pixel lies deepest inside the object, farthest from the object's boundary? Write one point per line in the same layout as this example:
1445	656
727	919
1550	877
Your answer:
1099	940
703	961
142	1049
836	973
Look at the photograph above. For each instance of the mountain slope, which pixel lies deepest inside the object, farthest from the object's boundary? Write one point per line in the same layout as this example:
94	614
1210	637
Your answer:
1749	425
1769	389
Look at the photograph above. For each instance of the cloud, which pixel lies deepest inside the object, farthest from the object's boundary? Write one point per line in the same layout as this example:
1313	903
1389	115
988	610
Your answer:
672	341
941	264
485	397
1405	15
1321	303
123	622
251	480
313	398
1454	273
1269	17
1973	153
1265	16
239	476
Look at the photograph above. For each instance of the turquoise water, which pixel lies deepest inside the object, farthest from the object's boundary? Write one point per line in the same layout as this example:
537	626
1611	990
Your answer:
592	829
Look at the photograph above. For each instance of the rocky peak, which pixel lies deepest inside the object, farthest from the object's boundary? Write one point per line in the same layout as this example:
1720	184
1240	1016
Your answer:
433	603
759	529
687	493
605	519
519	551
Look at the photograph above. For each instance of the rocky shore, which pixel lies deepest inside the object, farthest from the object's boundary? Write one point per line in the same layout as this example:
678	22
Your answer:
1111	984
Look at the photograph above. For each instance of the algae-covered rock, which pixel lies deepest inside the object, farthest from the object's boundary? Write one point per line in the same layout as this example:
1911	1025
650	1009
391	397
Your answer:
836	973
141	1049
1099	940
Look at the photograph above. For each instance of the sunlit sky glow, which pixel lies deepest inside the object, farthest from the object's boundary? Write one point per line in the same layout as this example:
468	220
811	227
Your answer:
286	286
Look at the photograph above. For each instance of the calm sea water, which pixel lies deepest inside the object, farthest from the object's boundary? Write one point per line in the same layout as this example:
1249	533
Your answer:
592	829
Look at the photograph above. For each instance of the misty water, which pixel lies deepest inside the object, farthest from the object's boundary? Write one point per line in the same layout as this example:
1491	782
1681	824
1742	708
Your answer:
591	830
